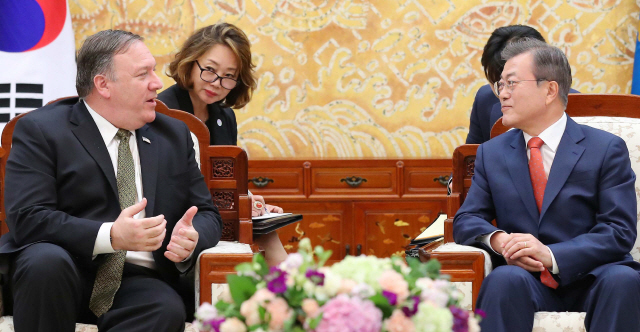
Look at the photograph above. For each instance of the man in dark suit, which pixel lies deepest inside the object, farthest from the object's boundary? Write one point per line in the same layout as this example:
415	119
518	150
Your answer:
105	203
564	201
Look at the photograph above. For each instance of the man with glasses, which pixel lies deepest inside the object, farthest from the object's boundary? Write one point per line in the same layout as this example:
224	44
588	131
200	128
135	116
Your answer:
563	197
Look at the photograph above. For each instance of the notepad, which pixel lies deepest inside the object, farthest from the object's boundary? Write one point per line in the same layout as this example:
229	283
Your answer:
433	231
269	216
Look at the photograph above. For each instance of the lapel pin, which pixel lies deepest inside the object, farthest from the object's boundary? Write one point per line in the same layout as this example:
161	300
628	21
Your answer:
146	140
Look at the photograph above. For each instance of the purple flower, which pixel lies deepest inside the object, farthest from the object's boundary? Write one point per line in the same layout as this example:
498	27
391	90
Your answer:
315	276
460	319
214	323
481	313
391	297
411	309
276	280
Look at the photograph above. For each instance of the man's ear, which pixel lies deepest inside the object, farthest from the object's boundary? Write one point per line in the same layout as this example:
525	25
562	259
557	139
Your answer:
552	92
101	83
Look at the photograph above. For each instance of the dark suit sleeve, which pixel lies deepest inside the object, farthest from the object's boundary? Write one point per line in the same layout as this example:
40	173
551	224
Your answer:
207	221
615	230
475	131
474	217
31	196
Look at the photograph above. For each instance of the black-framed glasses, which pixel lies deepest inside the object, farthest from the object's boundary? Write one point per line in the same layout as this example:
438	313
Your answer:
510	84
210	76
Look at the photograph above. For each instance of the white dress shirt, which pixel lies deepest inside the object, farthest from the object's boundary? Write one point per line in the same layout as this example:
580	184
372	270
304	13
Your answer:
551	138
103	241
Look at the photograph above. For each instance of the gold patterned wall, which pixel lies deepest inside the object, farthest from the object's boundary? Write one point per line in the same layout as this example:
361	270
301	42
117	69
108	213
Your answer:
381	78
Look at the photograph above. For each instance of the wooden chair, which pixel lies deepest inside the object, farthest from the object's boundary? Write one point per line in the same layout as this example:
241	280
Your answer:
225	170
617	114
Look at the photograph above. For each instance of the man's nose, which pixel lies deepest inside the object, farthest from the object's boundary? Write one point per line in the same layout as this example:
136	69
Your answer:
156	82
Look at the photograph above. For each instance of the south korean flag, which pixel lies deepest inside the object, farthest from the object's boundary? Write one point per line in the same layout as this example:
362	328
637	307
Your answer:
37	55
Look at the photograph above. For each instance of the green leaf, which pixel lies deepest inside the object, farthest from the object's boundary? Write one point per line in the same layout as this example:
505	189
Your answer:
433	269
241	287
313	322
260	265
294	296
244	267
383	304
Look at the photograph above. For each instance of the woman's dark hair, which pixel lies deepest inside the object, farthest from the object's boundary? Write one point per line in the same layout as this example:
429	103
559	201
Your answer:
492	61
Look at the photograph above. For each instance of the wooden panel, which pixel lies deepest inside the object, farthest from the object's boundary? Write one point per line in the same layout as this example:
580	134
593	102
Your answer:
325	223
334	181
214	269
386	228
278	181
425	180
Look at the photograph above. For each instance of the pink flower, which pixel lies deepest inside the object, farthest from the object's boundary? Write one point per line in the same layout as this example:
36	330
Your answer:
233	325
349	314
392	281
280	312
310	308
398	322
249	308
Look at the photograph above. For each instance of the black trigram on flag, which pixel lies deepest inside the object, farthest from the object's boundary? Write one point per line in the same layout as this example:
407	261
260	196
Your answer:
21	97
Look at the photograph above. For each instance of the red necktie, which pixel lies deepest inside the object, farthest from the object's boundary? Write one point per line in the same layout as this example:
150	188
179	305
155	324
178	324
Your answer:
539	183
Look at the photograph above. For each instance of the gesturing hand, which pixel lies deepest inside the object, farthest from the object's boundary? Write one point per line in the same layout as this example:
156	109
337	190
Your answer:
183	238
144	234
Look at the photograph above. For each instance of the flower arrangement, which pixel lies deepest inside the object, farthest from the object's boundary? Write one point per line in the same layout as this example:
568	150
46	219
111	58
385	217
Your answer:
361	293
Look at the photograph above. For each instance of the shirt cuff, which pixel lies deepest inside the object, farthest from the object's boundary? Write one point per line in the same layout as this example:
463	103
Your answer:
555	269
486	239
186	263
103	240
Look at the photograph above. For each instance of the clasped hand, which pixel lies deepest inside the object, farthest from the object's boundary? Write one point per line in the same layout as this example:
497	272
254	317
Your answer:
147	234
523	250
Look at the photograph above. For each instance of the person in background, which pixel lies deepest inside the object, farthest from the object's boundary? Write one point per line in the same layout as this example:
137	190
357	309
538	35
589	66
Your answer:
214	73
486	106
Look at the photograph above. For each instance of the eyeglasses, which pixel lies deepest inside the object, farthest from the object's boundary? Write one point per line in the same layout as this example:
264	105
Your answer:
210	76
498	86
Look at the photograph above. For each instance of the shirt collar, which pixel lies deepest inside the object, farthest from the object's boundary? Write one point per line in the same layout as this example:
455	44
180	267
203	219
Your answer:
107	130
552	135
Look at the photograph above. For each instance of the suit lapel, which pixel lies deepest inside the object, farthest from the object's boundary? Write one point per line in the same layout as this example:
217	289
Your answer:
518	165
567	155
148	149
89	136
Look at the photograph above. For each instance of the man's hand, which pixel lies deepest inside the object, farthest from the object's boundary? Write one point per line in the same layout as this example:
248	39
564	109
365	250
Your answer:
183	238
498	242
521	246
144	234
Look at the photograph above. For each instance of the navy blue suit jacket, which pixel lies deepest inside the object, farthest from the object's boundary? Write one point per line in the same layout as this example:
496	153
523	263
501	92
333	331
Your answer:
588	216
486	110
61	186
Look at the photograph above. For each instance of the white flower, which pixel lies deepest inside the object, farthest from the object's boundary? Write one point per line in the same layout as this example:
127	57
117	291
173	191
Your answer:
473	324
363	291
292	262
206	312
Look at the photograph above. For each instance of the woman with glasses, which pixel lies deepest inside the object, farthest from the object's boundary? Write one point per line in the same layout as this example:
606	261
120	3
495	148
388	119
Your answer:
214	73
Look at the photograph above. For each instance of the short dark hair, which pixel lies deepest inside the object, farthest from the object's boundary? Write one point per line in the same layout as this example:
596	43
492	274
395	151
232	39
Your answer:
202	41
95	57
491	60
549	63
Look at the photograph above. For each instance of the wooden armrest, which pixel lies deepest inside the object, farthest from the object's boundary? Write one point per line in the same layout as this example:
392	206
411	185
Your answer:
460	266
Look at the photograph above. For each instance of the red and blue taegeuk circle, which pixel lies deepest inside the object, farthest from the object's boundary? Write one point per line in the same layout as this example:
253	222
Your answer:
27	25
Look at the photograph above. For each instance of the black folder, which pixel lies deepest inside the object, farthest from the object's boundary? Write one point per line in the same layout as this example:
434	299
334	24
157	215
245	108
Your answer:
268	225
